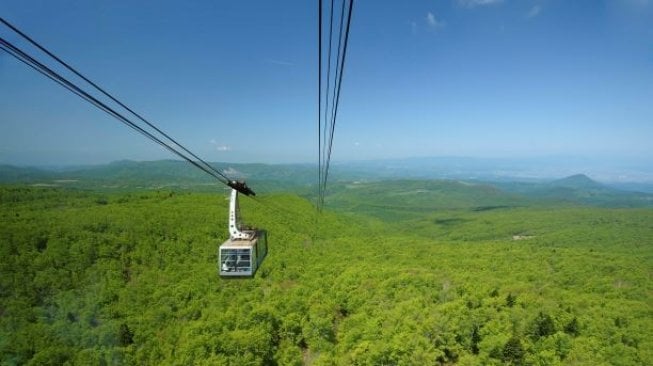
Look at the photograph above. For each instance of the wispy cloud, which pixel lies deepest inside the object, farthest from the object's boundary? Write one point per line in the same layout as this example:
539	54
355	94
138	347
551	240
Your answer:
231	172
535	11
475	3
219	147
413	27
432	22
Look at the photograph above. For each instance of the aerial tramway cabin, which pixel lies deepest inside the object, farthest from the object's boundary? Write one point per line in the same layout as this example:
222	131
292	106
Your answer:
242	254
242	257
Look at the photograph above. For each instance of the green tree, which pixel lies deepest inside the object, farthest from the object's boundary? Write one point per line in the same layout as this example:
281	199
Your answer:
513	352
125	335
543	326
511	300
476	338
571	328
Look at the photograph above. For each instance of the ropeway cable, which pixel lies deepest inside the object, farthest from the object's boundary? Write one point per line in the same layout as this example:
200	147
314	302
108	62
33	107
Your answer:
38	66
332	96
107	94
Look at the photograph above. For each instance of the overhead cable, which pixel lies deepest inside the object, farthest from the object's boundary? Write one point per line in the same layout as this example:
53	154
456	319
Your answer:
40	67
327	122
326	108
319	103
339	73
107	94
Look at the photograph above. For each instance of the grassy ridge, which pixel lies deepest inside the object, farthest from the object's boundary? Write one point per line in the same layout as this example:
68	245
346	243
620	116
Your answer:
131	278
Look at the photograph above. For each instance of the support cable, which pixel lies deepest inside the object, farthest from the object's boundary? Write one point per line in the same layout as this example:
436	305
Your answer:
329	121
337	88
101	90
38	66
326	109
319	105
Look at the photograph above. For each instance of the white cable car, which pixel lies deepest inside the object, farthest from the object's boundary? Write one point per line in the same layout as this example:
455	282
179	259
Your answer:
243	252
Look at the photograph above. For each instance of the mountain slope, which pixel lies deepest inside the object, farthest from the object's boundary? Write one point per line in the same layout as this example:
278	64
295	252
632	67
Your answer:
348	189
578	181
410	198
127	175
131	278
581	189
14	174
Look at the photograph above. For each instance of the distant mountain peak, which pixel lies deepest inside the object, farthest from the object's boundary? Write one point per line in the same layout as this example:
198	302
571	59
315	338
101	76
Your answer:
579	177
121	162
577	181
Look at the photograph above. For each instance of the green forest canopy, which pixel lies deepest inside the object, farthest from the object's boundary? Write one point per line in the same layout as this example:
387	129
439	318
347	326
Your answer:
131	278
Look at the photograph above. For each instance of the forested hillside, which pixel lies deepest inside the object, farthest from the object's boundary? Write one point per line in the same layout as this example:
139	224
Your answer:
129	175
408	199
376	182
131	278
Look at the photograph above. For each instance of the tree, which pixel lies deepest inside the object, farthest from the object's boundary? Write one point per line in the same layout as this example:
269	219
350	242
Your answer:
543	326
125	335
572	327
513	351
511	300
476	338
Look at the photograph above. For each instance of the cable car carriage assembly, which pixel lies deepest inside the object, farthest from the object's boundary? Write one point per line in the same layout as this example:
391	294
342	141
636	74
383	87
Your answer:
243	252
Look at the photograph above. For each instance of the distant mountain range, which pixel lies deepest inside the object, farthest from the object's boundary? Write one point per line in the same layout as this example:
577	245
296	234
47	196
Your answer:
579	188
636	172
380	177
126	174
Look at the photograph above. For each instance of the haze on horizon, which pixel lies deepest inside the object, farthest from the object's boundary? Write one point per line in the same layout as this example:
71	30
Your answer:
236	81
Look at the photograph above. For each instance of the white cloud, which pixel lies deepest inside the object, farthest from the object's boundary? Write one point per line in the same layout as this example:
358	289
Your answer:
231	172
357	144
535	10
413	27
433	22
219	147
475	3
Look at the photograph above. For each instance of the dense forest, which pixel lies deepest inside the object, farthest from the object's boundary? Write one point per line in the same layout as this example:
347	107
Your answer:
130	277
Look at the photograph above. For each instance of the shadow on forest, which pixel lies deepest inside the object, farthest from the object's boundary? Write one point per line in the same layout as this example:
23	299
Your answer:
450	221
489	208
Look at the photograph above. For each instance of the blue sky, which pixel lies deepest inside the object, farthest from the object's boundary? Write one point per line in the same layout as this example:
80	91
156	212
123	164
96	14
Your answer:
236	80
